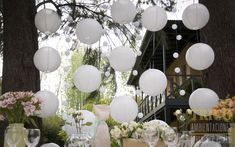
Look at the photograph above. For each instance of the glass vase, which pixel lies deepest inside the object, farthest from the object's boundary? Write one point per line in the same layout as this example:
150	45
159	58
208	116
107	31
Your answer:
78	140
15	127
186	139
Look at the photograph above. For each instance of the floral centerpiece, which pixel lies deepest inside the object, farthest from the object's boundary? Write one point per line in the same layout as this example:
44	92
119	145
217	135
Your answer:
18	107
134	130
225	110
184	118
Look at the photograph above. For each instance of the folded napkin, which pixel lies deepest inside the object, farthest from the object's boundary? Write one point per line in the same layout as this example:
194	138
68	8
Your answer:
102	136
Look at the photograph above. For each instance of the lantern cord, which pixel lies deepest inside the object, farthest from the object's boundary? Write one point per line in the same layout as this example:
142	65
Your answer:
197	35
154	41
163	58
44	5
176	41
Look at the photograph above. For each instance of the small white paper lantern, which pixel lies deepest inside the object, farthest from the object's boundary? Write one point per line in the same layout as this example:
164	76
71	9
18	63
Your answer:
202	100
177	70
153	82
122	59
182	92
87	78
178	37
47	59
89	31
123	11
200	56
50	103
50	145
195	16
135	72
174	26
140	115
154	18
138	53
176	55
47	21
120	106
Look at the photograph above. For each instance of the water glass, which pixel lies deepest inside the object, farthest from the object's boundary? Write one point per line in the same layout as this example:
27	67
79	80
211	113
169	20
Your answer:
151	137
12	136
170	137
32	137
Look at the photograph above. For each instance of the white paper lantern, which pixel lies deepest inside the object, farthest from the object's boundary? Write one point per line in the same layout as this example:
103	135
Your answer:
107	73
174	26
47	59
176	55
122	59
123	11
47	21
50	145
124	109
87	78
50	103
139	53
153	82
178	37
140	115
182	92
135	72
89	31
154	18
195	16
177	70
200	56
202	100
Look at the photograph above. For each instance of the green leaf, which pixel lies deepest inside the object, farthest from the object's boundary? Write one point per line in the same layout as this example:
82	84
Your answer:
87	124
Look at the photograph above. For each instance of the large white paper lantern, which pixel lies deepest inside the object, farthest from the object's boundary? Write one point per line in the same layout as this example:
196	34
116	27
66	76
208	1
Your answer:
200	56
153	82
124	109
50	145
202	100
47	21
87	78
123	11
122	59
195	16
47	59
154	18
50	103
89	31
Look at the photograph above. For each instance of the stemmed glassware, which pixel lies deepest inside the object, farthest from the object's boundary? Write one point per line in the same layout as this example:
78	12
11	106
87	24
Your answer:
151	137
32	137
171	137
12	136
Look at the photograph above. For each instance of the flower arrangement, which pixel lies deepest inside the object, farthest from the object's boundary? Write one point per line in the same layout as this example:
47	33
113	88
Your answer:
18	107
225	110
184	119
135	130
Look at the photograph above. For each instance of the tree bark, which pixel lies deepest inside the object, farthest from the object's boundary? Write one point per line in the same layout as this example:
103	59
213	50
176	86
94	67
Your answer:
219	33
20	44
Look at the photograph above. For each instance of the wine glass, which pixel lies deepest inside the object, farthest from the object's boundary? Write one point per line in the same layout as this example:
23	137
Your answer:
32	137
151	137
12	136
170	137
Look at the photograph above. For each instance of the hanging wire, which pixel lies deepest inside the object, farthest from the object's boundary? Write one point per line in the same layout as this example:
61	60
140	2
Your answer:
154	39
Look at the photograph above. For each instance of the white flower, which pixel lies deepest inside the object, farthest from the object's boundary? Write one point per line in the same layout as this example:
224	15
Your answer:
189	111
132	125
182	118
115	133
178	112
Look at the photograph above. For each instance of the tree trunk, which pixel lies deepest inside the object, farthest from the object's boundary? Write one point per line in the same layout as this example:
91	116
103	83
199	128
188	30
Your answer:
20	44
220	35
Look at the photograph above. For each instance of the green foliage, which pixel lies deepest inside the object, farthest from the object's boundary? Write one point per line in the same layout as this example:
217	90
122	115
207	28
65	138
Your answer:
52	130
